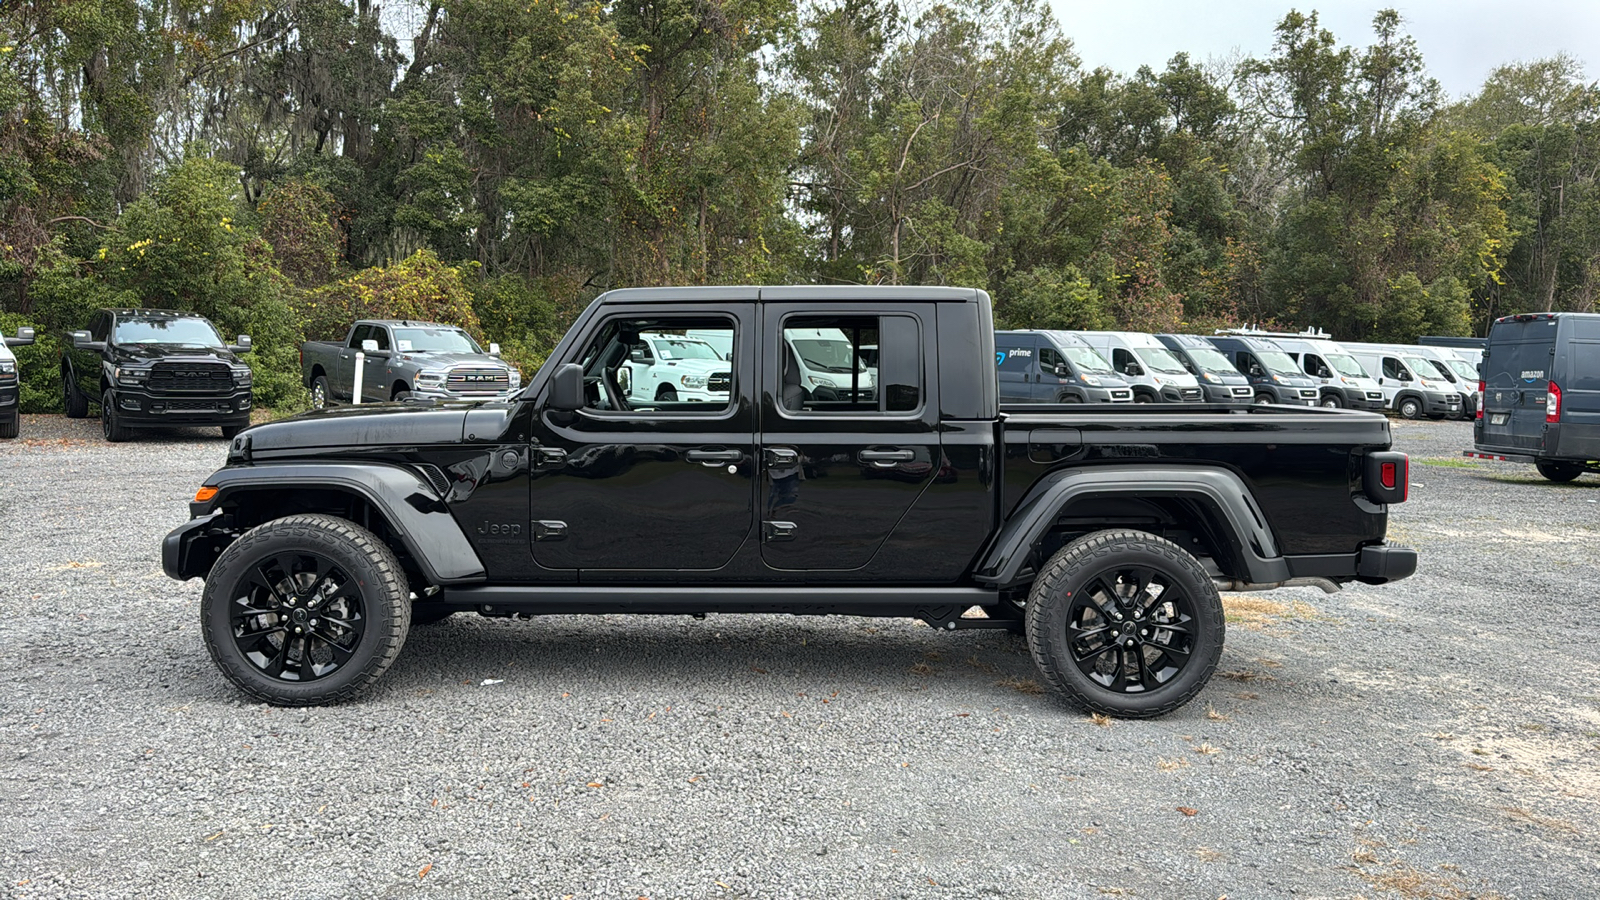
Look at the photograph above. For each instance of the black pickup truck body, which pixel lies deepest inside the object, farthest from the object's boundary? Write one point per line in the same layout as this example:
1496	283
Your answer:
925	499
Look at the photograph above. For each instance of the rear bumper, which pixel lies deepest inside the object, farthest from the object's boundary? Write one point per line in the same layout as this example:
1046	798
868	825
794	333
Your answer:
1383	563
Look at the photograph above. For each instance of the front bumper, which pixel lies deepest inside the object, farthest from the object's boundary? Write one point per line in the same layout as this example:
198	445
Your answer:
1357	398
434	392
8	396
1228	394
1444	404
1173	394
178	558
138	407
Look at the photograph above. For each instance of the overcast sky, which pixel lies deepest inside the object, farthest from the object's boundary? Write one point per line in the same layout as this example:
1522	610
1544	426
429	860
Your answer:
1461	40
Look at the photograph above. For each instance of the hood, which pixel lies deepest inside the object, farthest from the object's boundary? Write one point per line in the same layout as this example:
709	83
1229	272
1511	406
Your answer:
150	353
696	366
451	360
365	426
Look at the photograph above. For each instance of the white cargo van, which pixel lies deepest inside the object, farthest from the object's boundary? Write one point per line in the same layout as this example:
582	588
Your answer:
1411	385
1155	375
1342	383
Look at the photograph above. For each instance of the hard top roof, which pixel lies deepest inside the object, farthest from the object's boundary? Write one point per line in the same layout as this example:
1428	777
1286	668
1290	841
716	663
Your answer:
809	293
143	313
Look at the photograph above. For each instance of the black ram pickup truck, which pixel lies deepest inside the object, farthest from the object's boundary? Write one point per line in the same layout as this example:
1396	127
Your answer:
1103	533
155	367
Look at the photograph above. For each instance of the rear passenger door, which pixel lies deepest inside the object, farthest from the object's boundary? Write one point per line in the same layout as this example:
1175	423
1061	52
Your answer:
839	474
1014	355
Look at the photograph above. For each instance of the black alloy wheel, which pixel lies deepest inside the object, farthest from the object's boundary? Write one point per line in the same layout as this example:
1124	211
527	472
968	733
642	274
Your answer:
110	422
75	404
304	610
1125	623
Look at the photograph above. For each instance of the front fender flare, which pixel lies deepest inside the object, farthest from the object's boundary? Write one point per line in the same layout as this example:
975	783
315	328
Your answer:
1220	491
411	506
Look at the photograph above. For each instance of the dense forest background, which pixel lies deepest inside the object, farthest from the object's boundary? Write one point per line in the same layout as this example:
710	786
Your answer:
283	166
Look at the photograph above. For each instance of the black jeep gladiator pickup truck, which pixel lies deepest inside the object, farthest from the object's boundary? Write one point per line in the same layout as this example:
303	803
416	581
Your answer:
1103	533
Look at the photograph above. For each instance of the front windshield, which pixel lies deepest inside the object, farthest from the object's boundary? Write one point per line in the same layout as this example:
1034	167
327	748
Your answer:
176	332
1278	362
677	348
1463	368
1211	361
436	340
825	355
1161	360
1424	368
1346	366
1088	360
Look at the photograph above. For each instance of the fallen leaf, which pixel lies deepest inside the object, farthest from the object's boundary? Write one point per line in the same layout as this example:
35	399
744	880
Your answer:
596	784
425	870
1188	810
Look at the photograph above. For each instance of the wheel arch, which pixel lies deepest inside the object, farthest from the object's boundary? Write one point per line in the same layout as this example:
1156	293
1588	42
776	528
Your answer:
1213	505
394	502
317	371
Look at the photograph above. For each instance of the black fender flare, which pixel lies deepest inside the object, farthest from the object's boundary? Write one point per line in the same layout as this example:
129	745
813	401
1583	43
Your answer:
412	507
1221	491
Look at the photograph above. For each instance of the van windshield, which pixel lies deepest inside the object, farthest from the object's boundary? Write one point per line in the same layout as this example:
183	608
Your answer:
1346	365
1423	368
1278	362
1463	368
1161	360
825	355
1211	361
1088	360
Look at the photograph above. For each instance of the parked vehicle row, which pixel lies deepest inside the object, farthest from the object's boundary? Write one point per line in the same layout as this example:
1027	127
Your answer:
11	383
1540	380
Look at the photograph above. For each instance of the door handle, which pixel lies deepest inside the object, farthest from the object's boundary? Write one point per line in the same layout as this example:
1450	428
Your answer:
886	458
714	457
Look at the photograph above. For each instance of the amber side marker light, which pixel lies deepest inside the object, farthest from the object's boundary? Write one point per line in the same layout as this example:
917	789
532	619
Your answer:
204	494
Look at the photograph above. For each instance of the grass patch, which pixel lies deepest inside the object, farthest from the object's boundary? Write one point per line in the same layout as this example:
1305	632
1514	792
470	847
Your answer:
1258	612
1450	463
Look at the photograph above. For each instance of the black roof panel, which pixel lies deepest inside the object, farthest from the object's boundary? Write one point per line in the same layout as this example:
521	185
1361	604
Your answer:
833	293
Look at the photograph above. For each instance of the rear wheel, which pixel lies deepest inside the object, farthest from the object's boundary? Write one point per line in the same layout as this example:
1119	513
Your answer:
1410	408
1125	623
305	610
1558	471
110	422
75	404
320	397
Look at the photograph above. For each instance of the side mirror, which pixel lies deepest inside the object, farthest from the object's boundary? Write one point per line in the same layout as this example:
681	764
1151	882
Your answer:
494	349
1062	371
566	388
1132	369
23	338
636	355
82	340
625	380
243	346
369	346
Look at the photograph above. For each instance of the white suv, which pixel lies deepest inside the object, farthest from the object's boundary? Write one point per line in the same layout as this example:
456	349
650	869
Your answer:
11	383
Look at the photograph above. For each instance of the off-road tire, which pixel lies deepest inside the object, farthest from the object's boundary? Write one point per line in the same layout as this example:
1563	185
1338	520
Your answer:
1558	472
1075	568
10	426
320	386
384	597
110	423
1409	408
75	404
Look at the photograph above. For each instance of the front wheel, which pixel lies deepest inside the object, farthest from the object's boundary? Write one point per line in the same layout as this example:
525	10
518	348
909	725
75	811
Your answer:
75	404
232	431
1410	408
10	428
1558	472
1332	401
1262	399
667	394
1143	398
1125	623
110	422
305	610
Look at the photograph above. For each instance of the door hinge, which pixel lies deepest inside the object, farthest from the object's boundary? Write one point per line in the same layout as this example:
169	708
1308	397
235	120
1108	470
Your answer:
549	530
777	531
779	456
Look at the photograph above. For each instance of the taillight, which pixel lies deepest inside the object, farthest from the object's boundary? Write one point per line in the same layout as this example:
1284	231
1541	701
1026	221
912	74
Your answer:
1388	477
1552	403
1480	399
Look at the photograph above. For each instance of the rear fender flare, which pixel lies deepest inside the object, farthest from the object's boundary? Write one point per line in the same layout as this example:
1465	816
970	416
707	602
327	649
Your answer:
414	510
1220	491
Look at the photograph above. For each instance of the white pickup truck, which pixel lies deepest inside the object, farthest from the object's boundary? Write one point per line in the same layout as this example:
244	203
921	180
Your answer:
673	367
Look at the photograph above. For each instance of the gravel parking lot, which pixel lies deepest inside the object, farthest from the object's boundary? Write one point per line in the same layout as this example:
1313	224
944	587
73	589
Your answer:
1435	738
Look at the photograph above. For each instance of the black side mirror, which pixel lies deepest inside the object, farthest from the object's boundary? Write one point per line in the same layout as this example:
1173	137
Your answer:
566	388
1062	371
243	346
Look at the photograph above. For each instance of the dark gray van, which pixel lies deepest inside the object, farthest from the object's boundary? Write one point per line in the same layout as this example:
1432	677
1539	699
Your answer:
1221	382
1541	394
1273	376
1054	367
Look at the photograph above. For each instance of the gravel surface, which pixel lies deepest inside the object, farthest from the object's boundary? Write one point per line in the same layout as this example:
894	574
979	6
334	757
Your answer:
1434	738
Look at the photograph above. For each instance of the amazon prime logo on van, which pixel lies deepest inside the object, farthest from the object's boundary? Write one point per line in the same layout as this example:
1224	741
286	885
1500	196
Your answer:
1532	375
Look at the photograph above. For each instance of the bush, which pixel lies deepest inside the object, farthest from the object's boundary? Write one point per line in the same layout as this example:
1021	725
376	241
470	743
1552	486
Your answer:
419	287
519	313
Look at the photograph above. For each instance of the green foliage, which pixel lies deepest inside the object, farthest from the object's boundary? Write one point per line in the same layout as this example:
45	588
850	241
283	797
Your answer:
297	219
419	287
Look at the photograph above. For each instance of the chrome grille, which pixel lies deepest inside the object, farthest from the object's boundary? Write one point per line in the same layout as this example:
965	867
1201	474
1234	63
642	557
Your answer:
480	379
189	376
720	381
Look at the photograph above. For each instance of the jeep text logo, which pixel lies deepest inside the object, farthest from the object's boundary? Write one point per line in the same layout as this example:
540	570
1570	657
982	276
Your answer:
499	529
